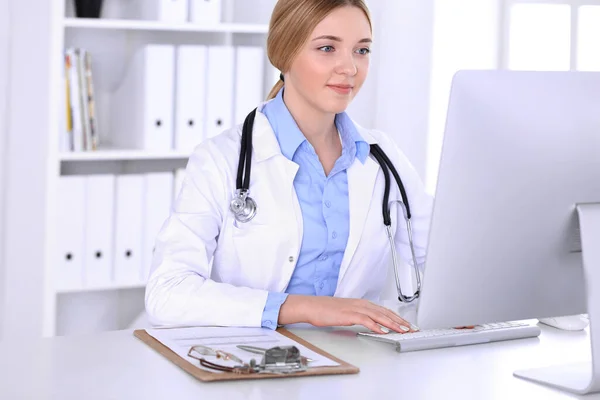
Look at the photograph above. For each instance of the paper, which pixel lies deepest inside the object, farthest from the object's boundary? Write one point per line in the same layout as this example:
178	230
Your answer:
226	339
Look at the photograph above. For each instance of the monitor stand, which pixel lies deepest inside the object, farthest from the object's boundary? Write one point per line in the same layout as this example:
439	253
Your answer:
580	378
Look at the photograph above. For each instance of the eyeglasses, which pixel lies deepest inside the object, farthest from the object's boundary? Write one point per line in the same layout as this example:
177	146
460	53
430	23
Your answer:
199	350
196	352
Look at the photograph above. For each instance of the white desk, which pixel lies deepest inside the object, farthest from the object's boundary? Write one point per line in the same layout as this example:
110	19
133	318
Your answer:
116	365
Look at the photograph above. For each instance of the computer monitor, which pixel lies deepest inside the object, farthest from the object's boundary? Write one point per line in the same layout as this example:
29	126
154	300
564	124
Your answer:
520	164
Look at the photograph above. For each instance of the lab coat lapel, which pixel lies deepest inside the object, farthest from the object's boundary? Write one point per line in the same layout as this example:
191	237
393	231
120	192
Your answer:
361	182
267	150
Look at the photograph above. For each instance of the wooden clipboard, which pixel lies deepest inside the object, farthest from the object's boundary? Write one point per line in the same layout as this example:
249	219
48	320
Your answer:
207	376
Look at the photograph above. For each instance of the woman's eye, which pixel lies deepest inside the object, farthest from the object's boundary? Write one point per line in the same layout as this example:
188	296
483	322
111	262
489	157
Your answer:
326	49
364	51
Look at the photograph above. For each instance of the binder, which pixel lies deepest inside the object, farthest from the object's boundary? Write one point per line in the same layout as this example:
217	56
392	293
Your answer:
190	97
207	376
128	229
99	217
219	113
157	198
206	12
142	113
172	11
249	81
71	231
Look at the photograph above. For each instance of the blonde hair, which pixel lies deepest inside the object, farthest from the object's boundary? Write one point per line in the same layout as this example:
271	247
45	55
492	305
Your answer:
291	24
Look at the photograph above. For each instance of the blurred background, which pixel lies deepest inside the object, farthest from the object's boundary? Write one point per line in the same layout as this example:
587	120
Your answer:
101	106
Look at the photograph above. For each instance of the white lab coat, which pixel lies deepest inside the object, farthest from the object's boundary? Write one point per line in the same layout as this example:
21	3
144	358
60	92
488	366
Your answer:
186	287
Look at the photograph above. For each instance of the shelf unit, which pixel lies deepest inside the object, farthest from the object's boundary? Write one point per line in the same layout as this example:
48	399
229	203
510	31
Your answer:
133	25
122	155
39	47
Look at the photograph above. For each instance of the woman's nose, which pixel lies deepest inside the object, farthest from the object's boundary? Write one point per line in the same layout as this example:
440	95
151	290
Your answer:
347	65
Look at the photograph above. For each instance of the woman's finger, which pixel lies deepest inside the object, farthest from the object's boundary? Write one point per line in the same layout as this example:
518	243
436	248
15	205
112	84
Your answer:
394	317
386	321
368	323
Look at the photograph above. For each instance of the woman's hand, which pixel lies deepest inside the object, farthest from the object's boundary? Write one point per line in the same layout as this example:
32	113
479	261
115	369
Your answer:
334	311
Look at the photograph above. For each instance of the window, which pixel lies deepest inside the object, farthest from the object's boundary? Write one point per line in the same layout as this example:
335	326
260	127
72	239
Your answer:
538	35
551	35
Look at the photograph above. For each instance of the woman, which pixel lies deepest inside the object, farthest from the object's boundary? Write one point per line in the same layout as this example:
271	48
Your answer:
317	250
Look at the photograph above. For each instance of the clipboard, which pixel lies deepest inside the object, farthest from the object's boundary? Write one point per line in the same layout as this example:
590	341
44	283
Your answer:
208	376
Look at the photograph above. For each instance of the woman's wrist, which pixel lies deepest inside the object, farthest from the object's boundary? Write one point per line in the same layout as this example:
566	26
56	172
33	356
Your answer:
292	310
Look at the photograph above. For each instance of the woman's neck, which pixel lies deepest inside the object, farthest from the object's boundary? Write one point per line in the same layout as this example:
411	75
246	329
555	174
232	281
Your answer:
318	127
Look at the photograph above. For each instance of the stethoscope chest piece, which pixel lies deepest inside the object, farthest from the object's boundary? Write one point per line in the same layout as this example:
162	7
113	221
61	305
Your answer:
243	206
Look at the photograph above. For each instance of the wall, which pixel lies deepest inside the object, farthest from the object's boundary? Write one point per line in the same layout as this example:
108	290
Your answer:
404	35
4	62
466	36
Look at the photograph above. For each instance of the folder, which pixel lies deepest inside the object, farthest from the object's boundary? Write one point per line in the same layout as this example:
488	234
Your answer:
142	113
249	80
128	229
99	218
219	103
172	11
206	12
158	197
71	231
190	97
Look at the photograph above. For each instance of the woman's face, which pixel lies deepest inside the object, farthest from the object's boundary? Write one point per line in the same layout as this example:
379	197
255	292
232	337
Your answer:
333	64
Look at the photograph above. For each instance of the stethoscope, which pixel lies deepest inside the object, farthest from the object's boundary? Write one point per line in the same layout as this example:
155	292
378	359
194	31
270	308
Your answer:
244	207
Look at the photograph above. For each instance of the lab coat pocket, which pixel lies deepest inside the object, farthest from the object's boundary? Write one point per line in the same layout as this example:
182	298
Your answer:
262	252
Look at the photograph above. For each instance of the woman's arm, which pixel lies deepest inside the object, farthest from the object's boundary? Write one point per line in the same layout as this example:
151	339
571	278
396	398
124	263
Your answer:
179	289
335	311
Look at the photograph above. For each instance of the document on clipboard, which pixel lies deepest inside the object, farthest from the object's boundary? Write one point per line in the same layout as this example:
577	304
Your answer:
227	339
175	344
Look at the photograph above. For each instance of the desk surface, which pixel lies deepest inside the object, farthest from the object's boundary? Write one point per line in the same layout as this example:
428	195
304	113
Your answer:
116	365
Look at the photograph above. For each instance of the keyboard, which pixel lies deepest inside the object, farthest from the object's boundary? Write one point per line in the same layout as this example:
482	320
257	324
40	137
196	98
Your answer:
439	338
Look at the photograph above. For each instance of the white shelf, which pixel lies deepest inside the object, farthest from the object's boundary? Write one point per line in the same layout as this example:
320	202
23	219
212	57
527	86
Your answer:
122	155
141	25
102	288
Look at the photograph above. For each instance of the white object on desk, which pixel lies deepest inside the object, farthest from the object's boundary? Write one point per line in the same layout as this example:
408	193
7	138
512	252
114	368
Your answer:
439	338
567	323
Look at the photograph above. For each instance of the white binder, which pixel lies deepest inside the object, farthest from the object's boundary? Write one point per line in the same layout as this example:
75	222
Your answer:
142	113
128	229
70	235
158	195
99	219
172	11
206	12
219	102
190	106
249	80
